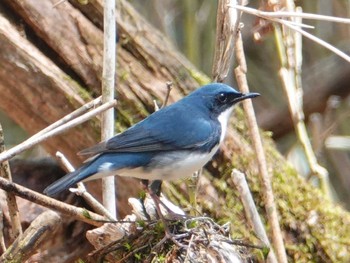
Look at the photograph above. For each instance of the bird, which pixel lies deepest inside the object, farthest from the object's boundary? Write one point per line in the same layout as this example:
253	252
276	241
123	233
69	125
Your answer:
171	143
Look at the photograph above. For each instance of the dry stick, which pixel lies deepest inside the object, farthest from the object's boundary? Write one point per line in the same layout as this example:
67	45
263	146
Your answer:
293	89
304	33
81	190
301	131
78	213
270	205
108	79
279	14
169	86
38	232
251	212
31	142
10	198
78	112
315	39
58	3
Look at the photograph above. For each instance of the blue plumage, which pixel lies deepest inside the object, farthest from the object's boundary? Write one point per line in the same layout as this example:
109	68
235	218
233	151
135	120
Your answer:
171	143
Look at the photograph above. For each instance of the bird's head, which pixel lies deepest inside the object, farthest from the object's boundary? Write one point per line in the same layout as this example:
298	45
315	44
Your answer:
219	98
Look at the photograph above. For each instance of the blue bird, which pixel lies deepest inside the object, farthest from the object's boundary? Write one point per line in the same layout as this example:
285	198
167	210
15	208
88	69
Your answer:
170	144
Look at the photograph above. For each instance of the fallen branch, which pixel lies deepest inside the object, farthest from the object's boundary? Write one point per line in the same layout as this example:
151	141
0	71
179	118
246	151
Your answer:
78	213
37	233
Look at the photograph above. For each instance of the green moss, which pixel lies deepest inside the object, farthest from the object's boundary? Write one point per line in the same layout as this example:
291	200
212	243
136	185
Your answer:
86	213
201	78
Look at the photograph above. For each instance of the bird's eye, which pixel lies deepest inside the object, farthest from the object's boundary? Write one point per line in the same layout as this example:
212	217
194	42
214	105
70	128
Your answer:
222	97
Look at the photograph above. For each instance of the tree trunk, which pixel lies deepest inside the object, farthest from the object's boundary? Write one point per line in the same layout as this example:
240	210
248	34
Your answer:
53	66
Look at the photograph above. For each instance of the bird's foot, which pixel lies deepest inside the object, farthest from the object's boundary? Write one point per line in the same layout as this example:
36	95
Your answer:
174	238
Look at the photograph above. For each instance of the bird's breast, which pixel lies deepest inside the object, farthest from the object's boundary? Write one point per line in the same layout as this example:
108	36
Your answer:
172	165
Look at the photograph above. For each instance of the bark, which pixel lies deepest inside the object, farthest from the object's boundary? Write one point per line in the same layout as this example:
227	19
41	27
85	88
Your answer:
56	67
28	242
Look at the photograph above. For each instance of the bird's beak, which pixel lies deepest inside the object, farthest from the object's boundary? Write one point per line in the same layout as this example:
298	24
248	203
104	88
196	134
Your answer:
246	96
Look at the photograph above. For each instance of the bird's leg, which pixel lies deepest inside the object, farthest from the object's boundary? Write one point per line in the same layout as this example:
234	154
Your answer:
156	187
154	191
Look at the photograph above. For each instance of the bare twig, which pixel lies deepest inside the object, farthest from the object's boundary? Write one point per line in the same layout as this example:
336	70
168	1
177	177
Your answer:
10	198
78	213
293	89
316	39
31	142
251	212
279	14
108	79
169	86
58	3
270	205
338	143
78	112
297	28
28	243
81	190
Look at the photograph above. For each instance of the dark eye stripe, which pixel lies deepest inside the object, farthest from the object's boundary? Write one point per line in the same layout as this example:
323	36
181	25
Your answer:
222	97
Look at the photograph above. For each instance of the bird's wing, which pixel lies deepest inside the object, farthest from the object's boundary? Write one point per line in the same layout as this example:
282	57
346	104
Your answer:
161	131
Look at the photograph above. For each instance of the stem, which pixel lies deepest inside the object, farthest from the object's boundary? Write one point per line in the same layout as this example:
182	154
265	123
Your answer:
81	190
108	79
251	212
78	213
10	198
34	140
269	199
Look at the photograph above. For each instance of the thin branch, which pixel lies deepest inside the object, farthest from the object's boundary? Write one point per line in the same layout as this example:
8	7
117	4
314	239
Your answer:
315	39
108	84
251	212
338	143
298	29
78	112
279	14
78	213
270	205
169	86
58	3
81	190
10	198
36	140
295	104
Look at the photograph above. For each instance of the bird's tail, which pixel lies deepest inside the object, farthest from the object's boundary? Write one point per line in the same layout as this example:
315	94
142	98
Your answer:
67	181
